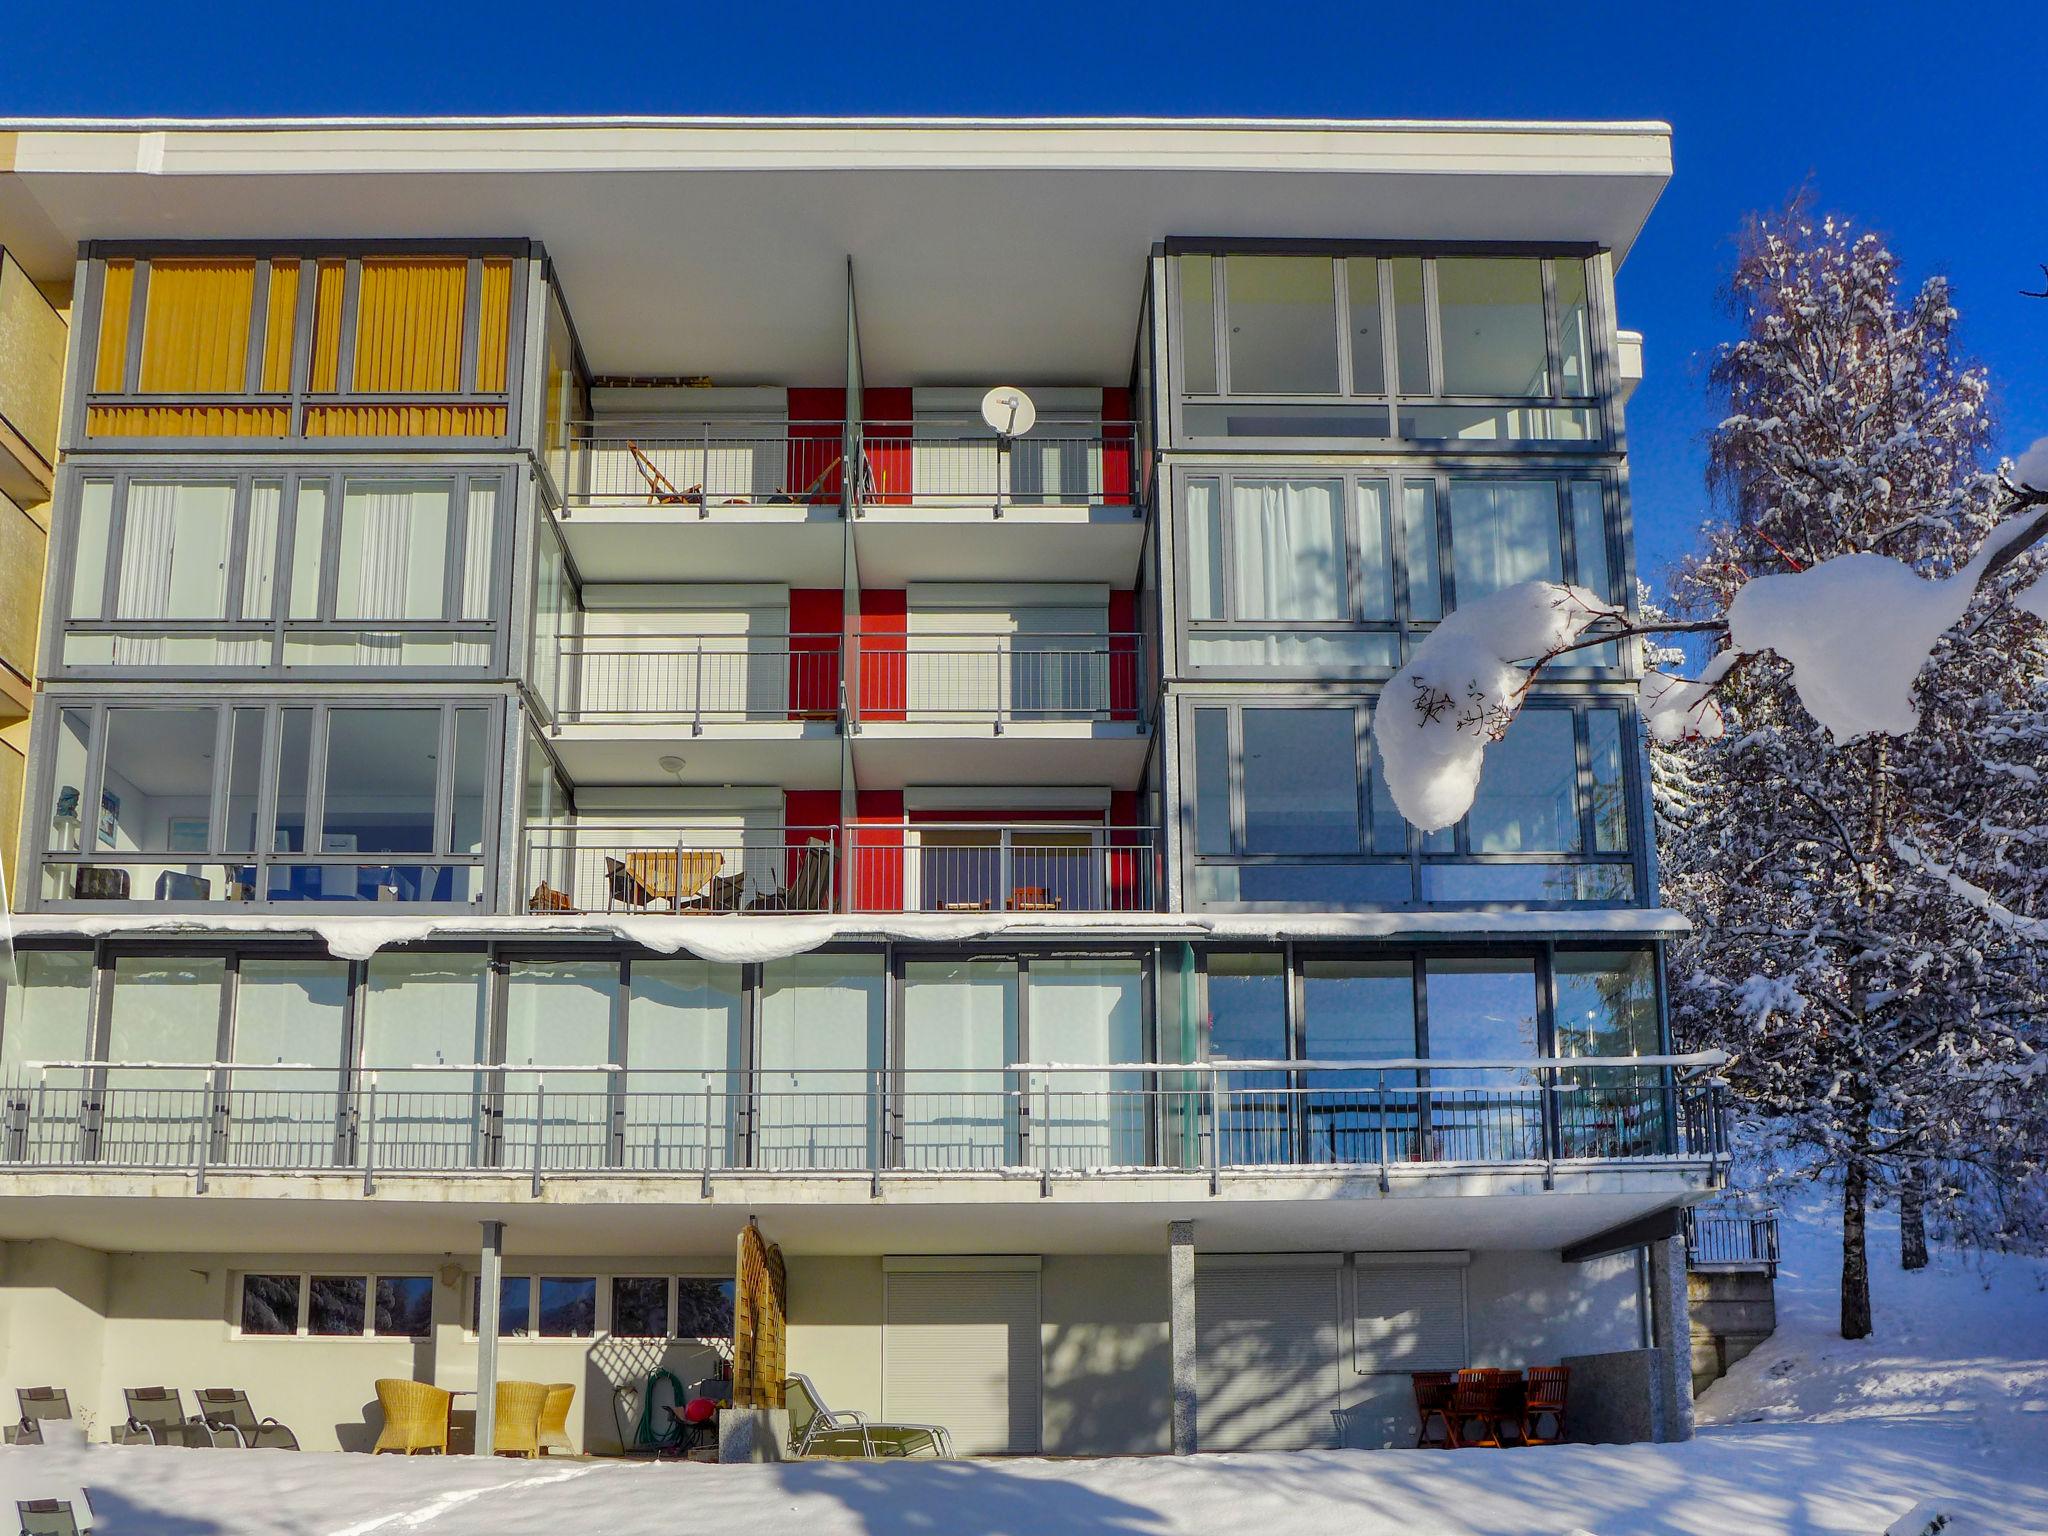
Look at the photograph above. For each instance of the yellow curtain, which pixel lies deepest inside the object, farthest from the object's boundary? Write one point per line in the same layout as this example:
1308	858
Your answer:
279	327
327	289
111	372
493	333
409	325
195	327
187	421
405	421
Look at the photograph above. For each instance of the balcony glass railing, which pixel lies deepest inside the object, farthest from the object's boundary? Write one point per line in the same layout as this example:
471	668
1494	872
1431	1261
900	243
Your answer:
1038	1119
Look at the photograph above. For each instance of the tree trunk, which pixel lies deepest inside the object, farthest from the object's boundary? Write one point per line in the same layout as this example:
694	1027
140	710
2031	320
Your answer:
1855	1258
1913	1219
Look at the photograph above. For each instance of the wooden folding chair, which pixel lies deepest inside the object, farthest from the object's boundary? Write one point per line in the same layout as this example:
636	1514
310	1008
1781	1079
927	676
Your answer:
1433	1406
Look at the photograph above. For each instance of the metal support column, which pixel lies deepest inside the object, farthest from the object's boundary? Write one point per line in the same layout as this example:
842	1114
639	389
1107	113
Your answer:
1671	1322
489	1282
1180	1261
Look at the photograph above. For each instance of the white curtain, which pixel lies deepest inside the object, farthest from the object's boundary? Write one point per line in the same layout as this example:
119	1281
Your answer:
1287	550
259	574
394	556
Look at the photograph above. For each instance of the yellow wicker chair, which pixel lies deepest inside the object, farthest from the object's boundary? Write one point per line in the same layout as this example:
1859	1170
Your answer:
554	1419
415	1416
516	1431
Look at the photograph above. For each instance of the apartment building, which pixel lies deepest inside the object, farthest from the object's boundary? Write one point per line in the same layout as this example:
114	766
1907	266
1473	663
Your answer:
573	716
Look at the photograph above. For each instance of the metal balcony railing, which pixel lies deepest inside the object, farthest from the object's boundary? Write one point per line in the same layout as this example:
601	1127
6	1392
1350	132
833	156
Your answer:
680	869
999	678
692	679
1037	1119
1717	1237
955	463
695	466
1022	867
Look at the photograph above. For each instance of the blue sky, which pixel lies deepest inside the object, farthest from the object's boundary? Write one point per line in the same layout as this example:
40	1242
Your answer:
1909	118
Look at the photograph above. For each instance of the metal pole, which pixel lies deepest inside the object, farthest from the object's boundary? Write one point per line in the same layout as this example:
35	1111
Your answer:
1381	1096
540	1123
490	1280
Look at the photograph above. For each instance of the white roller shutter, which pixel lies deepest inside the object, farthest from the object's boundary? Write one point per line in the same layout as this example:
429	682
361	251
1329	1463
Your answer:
960	1348
1266	1353
1411	1317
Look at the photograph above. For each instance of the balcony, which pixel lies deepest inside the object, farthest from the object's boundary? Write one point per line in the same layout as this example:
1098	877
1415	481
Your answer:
1031	867
32	339
1028	708
1040	1121
747	708
762	499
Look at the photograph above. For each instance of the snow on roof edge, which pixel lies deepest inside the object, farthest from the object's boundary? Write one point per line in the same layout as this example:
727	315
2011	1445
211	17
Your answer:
741	938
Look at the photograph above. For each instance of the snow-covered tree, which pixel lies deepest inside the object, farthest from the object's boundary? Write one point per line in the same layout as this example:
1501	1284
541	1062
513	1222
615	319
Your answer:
1868	930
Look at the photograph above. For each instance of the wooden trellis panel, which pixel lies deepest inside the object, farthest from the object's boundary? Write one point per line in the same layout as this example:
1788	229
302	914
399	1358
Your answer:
760	1328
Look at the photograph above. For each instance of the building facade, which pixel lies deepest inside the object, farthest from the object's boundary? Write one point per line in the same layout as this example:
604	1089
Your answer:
560	711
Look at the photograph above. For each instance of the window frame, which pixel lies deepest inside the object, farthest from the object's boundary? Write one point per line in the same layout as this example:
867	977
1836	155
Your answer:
83	395
265	856
302	1331
280	628
1599	399
1417	858
1404	628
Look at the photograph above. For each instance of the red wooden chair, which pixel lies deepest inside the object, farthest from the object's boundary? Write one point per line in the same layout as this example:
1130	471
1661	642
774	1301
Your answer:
1433	1404
1470	1415
1544	1398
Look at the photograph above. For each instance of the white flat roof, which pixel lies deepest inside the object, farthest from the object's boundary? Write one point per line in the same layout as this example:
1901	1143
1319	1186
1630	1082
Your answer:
981	248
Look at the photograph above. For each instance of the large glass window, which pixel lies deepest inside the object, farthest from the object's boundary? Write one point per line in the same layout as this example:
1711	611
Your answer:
1528	793
1358	1010
1607	1007
959	1038
425	1028
289	1014
1484	1010
1361	346
559	1014
821	1043
683	1057
1283	325
1503	532
175	812
1087	1011
1300	780
163	1025
201	572
1247	1021
46	1016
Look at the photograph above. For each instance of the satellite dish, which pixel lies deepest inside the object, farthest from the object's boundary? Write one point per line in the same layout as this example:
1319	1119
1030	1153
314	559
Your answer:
1009	410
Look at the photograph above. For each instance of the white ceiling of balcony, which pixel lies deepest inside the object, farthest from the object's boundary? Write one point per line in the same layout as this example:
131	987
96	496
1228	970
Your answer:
981	250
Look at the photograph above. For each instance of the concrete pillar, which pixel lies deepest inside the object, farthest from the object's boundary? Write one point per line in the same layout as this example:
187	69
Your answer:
491	1272
1180	1261
1671	1337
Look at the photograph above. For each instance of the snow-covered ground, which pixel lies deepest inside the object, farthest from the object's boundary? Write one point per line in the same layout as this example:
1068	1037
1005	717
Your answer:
1946	1408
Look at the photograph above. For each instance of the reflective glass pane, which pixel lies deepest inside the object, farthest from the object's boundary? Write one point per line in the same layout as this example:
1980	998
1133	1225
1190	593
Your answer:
1610	785
165	1020
1483	1010
336	1305
1574	326
1389	827
467	831
959	1034
289	1013
1491	318
1589	538
1319	650
174	551
568	1307
1212	781
1368	342
1528	791
1375	551
1358	1010
703	1308
1287	550
156	795
640	1306
1419	547
1089	1011
294	763
309	533
259	555
1283	325
478	544
405	1306
245	780
425	1011
270	1304
1198	324
683	1036
89	562
1300	781
393	550
1411	327
1607	1006
67	776
1205	551
558	1013
1503	532
46	1015
380	780
821	1039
